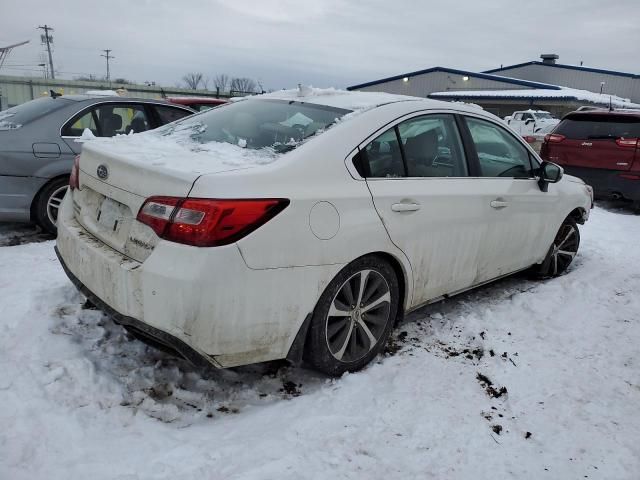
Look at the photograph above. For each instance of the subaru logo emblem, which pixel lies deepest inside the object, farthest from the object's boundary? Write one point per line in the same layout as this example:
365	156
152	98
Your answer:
103	172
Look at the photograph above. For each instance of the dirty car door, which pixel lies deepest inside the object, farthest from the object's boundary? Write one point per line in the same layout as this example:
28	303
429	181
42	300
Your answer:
418	178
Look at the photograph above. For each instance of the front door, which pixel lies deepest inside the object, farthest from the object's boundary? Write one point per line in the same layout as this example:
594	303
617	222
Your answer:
520	230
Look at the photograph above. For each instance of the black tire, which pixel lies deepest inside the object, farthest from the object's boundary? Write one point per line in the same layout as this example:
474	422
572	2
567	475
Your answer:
356	325
562	251
42	213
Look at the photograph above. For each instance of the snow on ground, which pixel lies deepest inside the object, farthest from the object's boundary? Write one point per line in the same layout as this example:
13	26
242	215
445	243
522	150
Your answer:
81	399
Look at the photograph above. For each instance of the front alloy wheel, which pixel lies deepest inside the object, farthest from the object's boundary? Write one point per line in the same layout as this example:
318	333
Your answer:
562	251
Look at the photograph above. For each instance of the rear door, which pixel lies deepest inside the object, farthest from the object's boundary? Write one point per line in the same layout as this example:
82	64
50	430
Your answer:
595	142
419	180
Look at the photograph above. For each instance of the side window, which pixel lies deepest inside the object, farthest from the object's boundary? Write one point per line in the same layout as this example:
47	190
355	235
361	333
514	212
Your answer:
382	158
432	147
499	153
170	114
117	119
76	127
526	116
517	116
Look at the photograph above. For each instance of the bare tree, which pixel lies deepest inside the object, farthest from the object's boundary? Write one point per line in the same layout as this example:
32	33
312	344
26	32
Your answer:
221	82
193	80
243	85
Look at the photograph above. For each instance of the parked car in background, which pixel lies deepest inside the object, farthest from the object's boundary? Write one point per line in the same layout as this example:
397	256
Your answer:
305	224
198	103
37	146
530	122
537	139
603	148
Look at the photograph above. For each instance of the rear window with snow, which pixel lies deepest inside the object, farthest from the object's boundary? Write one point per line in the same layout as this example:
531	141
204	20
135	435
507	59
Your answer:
19	115
594	127
255	124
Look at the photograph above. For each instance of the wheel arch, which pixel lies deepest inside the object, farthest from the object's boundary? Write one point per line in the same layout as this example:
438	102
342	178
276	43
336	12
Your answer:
578	214
402	277
36	197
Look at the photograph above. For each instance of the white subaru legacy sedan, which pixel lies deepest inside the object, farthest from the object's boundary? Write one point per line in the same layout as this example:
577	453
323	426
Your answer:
303	224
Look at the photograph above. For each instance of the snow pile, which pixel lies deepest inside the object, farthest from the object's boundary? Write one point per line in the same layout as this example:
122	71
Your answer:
521	379
562	93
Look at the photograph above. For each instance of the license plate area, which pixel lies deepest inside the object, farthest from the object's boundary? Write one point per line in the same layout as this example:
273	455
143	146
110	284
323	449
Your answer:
112	215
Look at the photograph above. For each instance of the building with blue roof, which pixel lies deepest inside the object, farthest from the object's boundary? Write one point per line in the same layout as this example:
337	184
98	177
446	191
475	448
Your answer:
543	85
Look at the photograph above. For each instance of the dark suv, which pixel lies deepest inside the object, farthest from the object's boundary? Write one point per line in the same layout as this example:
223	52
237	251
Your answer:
602	147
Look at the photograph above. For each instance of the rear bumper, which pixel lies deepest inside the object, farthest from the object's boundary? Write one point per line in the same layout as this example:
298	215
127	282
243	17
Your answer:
606	183
198	301
153	335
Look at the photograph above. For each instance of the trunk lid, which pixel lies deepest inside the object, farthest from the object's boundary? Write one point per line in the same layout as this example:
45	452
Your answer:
115	179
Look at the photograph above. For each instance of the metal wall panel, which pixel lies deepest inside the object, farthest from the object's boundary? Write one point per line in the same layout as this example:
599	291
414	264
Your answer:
423	85
625	87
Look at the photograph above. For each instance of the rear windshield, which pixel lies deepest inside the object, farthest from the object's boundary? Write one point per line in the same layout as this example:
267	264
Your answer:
585	127
24	113
256	124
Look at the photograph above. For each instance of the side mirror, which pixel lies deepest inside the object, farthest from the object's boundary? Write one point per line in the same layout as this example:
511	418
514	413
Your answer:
528	121
549	173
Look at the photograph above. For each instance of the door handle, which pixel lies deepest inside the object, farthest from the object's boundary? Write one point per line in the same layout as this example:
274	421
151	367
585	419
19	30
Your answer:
499	204
405	207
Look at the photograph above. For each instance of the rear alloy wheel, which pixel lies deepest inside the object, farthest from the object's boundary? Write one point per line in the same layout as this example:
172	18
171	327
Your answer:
49	203
562	251
354	317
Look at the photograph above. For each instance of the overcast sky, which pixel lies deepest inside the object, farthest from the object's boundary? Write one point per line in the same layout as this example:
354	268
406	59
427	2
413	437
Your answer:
318	42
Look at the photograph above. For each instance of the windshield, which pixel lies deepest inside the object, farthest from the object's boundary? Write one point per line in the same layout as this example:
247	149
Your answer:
543	115
255	124
19	115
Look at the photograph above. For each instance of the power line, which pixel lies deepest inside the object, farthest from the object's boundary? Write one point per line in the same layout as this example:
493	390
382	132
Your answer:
108	56
46	38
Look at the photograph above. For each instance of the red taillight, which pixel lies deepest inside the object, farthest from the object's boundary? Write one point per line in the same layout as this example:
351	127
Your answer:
554	138
74	178
205	222
627	142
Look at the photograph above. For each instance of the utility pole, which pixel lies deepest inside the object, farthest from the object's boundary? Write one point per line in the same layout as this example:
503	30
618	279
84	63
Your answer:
48	40
108	56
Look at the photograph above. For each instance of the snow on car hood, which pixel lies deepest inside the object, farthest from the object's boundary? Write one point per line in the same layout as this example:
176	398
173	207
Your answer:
178	152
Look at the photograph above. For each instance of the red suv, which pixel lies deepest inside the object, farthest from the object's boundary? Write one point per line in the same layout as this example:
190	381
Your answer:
602	147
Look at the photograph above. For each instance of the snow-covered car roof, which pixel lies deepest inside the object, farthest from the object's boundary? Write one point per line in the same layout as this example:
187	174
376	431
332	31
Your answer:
348	100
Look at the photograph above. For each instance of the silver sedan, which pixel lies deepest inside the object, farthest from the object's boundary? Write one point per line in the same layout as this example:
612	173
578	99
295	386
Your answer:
37	146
